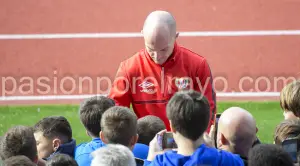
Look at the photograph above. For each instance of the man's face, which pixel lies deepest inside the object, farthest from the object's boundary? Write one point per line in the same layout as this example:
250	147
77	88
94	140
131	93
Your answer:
44	145
159	54
159	46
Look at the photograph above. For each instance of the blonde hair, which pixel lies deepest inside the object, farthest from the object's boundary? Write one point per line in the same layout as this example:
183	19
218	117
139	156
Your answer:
113	155
290	98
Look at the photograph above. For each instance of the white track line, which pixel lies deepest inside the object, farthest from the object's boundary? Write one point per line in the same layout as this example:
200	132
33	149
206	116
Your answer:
76	97
136	34
36	98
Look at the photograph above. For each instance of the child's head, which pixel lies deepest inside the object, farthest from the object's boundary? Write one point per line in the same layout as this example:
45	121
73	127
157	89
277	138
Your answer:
61	159
18	140
290	100
148	126
119	126
50	133
91	111
188	112
269	155
19	160
114	154
287	129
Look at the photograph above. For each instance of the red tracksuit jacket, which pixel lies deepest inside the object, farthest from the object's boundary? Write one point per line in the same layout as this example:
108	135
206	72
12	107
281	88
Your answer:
148	86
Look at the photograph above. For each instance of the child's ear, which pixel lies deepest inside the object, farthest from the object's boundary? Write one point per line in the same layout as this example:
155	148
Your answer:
171	127
56	144
134	141
102	137
36	159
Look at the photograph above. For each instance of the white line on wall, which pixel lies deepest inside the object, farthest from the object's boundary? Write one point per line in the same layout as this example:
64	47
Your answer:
136	34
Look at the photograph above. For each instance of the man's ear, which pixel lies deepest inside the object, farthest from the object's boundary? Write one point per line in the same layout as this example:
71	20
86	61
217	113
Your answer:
56	143
256	130
223	140
102	137
177	34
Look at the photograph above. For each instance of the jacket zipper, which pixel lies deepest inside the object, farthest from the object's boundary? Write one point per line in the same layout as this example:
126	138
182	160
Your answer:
166	83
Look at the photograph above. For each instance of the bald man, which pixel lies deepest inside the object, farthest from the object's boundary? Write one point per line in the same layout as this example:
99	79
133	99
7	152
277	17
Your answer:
236	131
149	78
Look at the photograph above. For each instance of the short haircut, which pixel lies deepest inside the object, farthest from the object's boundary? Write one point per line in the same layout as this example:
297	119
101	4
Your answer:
119	125
189	112
147	127
18	140
19	160
60	159
290	97
269	155
91	111
113	155
287	129
55	126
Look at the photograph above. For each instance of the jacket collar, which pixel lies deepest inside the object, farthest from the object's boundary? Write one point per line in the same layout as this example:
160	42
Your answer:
67	148
174	54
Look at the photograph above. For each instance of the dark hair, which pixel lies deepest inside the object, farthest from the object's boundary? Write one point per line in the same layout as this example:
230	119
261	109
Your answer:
119	125
269	155
91	111
189	113
290	97
55	126
18	140
61	159
148	127
18	160
287	129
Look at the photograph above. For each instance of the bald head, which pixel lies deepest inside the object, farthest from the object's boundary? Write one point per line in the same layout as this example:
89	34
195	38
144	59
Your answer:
159	33
160	19
238	126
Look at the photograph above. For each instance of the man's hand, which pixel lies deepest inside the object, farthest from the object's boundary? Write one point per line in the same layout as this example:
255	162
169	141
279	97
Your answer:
207	140
210	138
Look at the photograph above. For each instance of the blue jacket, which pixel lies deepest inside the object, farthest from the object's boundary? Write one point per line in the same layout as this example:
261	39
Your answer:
67	148
202	156
83	151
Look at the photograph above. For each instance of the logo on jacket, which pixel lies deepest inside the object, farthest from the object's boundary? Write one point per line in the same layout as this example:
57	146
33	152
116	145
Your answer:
182	83
147	87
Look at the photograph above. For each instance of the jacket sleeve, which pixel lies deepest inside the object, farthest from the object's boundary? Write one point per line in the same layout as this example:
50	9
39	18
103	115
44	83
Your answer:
205	86
120	91
146	163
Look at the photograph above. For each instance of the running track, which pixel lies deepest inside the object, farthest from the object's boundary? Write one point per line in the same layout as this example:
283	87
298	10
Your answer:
55	39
